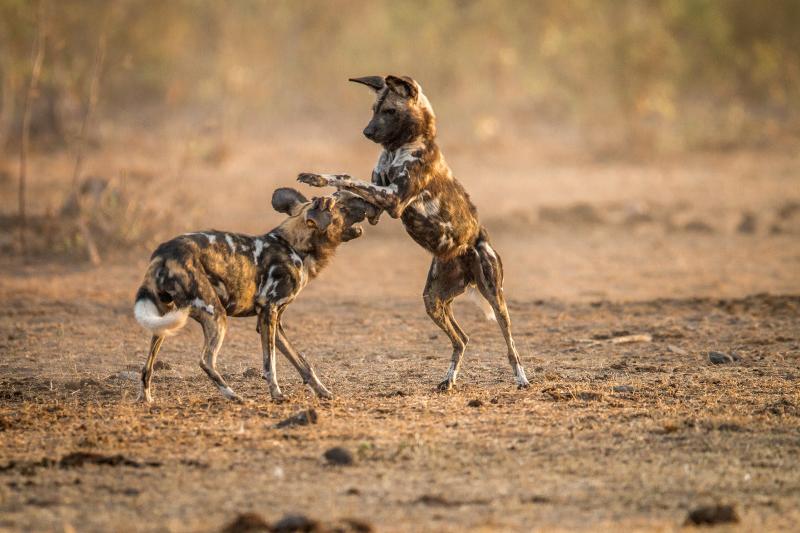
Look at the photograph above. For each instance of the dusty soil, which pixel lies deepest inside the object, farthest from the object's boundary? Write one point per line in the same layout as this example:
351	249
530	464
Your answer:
611	434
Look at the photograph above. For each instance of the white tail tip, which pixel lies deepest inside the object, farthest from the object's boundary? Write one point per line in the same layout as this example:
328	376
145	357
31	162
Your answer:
147	315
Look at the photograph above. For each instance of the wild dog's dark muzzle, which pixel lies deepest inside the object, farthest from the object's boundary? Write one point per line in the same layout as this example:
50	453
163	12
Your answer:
370	132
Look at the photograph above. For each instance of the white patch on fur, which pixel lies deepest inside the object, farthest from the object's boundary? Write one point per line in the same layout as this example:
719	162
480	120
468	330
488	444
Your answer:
271	284
197	303
148	316
474	295
445	241
404	155
296	259
257	252
228	393
489	249
452	373
230	242
211	238
521	378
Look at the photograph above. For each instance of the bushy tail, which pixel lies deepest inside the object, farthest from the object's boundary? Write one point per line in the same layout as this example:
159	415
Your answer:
148	315
150	310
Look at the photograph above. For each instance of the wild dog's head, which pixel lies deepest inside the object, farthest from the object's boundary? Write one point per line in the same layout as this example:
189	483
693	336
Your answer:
401	113
333	218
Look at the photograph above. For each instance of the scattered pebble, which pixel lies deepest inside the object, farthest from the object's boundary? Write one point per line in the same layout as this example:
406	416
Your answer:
624	388
292	523
339	456
247	523
475	403
252	373
162	365
719	358
303	418
698	226
712	514
747	224
589	396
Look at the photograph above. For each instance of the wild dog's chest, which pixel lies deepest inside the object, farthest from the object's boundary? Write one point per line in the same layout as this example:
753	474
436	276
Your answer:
283	275
393	164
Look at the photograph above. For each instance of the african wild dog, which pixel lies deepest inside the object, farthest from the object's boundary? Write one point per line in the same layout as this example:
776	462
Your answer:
413	182
211	275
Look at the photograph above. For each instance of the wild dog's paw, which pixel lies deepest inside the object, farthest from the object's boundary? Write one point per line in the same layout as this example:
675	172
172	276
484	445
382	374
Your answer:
446	386
315	180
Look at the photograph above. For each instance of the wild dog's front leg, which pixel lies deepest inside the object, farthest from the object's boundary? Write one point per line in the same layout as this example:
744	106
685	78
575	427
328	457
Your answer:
268	326
302	365
391	199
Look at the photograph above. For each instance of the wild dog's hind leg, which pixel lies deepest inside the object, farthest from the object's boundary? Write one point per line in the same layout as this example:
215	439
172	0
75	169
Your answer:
268	327
489	278
214	328
147	369
301	364
446	280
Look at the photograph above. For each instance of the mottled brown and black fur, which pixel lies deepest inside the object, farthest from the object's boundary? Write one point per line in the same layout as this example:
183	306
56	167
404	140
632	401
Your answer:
413	182
212	275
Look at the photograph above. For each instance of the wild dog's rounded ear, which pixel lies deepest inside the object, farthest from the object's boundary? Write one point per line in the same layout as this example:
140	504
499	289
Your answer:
375	83
405	86
288	200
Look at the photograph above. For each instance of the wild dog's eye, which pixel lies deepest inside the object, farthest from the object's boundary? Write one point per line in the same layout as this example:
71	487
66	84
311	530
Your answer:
390	111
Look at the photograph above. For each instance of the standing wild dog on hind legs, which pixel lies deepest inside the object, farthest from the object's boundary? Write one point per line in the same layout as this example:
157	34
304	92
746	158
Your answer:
413	182
212	275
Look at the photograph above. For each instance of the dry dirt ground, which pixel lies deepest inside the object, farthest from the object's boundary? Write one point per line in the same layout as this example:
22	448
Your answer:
611	435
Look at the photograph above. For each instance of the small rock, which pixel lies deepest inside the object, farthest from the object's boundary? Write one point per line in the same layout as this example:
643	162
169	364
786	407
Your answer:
292	523
475	403
589	396
162	365
353	491
303	418
355	525
719	358
698	226
246	523
251	373
747	224
676	350
623	388
712	514
338	456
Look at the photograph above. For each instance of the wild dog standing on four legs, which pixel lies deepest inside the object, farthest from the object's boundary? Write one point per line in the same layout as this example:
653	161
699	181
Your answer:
212	275
413	182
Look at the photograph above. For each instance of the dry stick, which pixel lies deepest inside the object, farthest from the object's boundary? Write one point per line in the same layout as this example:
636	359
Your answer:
83	226
37	59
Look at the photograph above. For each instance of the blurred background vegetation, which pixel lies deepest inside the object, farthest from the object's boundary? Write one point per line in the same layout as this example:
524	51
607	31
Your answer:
614	76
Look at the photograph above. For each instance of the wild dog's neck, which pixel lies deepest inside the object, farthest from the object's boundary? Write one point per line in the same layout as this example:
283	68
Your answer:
419	144
295	231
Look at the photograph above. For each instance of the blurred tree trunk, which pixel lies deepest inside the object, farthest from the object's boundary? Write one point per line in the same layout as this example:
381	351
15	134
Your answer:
37	58
88	112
